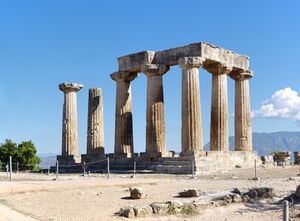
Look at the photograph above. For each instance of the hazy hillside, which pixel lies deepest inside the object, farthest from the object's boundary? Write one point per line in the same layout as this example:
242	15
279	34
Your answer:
266	143
47	159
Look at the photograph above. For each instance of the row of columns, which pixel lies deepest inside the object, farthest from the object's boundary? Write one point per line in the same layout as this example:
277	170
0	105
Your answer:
95	130
191	133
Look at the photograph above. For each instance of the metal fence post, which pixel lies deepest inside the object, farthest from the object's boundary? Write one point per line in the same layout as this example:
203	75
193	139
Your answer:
108	169
285	205
6	170
134	168
10	168
255	170
193	169
57	168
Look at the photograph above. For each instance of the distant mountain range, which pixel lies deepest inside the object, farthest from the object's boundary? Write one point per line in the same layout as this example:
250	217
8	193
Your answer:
263	143
47	159
266	143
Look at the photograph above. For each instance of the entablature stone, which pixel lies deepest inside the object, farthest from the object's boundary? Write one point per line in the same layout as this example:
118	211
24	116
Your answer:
191	62
170	57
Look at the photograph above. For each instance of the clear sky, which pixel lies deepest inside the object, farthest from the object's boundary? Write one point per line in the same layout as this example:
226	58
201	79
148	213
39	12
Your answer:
44	43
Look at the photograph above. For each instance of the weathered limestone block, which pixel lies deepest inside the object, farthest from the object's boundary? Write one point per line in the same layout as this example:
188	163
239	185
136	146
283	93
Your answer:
282	158
123	121
143	211
160	208
298	192
95	132
171	56
191	130
190	193
127	212
69	120
175	206
297	158
242	121
136	193
219	107
155	120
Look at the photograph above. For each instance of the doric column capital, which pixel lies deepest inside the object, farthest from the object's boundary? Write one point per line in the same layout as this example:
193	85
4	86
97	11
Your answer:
241	74
70	87
191	62
154	69
123	76
218	68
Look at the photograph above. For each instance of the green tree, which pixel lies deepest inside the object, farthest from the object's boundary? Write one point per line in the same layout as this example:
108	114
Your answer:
26	156
8	148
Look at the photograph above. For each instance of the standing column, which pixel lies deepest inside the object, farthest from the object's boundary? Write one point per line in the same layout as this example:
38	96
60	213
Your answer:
191	120
69	121
242	117
219	140
123	121
155	120
95	132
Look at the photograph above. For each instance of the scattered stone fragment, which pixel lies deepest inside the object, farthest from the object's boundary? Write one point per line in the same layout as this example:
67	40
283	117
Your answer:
298	192
136	193
189	209
160	208
143	211
127	212
236	198
175	206
260	193
236	191
190	193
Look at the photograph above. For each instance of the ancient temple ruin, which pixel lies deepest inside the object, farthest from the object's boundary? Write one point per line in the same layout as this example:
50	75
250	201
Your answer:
221	64
217	61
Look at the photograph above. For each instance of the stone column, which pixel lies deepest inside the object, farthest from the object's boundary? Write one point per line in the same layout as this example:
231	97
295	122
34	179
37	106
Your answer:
242	117
191	120
69	121
123	121
155	120
219	140
95	132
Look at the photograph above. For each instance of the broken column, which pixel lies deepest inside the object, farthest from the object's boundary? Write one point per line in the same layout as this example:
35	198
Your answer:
191	131
219	140
123	121
70	153
155	120
242	116
95	132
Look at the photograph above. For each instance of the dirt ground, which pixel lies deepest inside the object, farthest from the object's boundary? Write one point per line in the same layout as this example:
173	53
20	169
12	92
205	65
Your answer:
95	197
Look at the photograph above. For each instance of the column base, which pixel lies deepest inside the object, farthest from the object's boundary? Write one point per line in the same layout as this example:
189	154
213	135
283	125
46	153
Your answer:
68	160
90	158
125	155
154	155
193	153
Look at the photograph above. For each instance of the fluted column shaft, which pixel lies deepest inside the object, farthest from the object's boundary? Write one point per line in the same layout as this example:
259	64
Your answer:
219	140
69	121
155	120
95	131
123	121
191	120
242	123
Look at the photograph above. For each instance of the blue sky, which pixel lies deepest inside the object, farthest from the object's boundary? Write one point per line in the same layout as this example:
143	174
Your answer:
44	43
